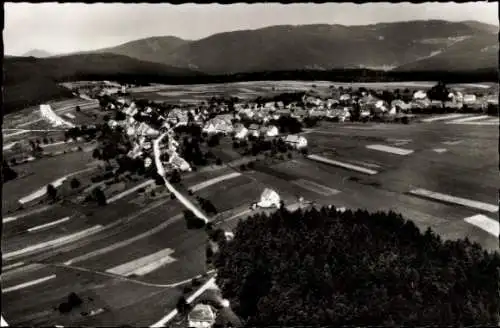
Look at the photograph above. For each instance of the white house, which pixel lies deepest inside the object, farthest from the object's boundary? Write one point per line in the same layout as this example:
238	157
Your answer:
201	316
296	141
420	95
254	130
272	131
469	99
269	198
241	132
130	131
147	162
269	105
345	97
209	128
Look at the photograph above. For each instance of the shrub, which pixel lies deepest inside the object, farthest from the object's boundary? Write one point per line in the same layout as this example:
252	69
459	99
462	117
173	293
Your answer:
182	306
74	300
357	268
99	196
64	307
52	192
195	282
75	183
175	177
218	162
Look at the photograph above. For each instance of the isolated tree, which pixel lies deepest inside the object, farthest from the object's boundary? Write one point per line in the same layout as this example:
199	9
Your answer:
77	109
45	140
182	306
192	221
175	177
158	179
75	183
8	173
52	192
99	196
438	92
96	154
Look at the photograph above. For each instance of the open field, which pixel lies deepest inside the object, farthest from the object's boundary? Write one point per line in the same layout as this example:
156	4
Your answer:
45	171
196	93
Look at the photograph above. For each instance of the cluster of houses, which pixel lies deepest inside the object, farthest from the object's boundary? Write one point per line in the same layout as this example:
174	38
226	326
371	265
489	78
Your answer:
141	134
220	119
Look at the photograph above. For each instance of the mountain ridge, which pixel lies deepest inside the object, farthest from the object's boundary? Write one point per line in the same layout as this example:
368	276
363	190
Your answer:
320	46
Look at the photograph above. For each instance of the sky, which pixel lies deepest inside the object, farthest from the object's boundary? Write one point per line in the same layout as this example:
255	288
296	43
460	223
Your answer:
67	27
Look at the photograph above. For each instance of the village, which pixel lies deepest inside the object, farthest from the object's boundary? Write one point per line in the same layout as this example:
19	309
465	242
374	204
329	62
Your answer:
270	120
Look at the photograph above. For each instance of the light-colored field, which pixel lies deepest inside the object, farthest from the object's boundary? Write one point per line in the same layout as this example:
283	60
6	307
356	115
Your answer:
247	90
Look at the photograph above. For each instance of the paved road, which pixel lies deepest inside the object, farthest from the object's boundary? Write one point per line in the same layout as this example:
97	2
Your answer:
103	265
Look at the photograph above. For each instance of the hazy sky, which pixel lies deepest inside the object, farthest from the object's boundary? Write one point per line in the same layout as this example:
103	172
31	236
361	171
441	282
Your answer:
61	28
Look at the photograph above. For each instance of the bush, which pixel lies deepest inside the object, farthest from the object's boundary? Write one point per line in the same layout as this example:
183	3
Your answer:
52	192
74	300
193	222
322	267
218	162
182	306
65	307
175	177
99	196
75	183
195	282
243	167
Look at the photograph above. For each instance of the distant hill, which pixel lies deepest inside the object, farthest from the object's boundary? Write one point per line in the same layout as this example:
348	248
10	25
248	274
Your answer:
319	47
37	53
153	49
475	53
29	81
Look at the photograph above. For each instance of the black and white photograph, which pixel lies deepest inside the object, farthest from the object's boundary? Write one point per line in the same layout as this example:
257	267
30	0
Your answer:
250	165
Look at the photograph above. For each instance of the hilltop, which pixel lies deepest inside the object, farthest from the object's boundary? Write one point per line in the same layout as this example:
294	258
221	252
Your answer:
323	47
29	81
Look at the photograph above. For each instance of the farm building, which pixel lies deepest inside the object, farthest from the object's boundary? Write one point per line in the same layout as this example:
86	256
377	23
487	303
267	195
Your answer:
241	132
420	95
217	125
269	198
254	130
209	128
272	131
296	141
345	97
180	163
201	316
469	99
400	105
